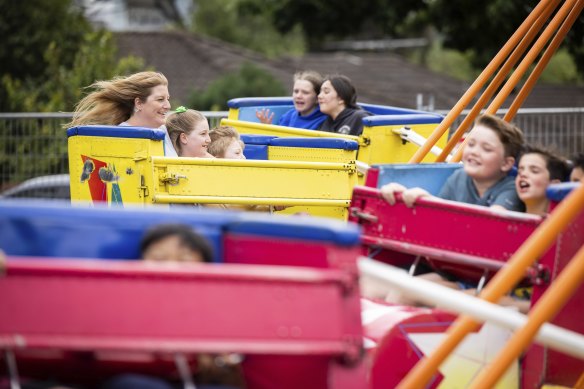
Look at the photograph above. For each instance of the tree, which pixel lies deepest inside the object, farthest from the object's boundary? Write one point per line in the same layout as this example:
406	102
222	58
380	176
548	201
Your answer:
249	81
247	23
28	28
480	28
323	20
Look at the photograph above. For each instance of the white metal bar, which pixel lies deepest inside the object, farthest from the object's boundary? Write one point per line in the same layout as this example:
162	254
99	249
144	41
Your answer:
410	135
568	342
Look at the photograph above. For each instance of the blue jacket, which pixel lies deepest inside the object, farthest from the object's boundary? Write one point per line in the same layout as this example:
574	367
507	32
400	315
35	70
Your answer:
310	122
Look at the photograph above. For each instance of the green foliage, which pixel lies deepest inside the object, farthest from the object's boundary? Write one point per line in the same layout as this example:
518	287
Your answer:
249	81
446	61
481	28
561	69
246	23
323	20
29	27
95	59
48	60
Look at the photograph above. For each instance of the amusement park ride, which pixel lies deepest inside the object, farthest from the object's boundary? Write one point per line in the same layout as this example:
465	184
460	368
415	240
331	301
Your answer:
77	306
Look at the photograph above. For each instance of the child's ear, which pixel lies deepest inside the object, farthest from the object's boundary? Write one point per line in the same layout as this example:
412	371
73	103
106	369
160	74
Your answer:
508	163
183	138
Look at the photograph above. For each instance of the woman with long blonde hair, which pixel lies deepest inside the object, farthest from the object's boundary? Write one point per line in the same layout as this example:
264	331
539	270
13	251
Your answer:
140	100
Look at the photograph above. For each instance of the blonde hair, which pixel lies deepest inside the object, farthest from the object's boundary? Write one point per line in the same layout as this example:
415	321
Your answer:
112	102
182	123
221	138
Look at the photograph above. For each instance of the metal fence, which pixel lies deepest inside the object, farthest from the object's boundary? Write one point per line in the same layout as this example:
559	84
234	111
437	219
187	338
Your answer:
35	144
561	129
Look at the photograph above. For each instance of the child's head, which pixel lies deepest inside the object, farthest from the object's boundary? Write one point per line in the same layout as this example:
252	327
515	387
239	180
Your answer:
225	143
577	168
189	132
305	91
175	242
537	169
492	148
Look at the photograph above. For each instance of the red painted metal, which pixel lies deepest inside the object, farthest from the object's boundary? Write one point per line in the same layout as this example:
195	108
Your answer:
460	239
395	353
296	313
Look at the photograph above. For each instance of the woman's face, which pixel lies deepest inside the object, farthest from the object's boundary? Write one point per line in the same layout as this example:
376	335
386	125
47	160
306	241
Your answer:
152	112
484	155
304	97
329	101
533	178
195	143
234	150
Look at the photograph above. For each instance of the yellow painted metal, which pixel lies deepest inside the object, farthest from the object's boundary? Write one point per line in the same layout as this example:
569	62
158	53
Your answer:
127	167
311	154
295	183
384	146
244	127
377	144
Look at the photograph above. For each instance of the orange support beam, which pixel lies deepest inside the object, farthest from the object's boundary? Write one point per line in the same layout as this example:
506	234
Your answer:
534	247
525	64
544	60
480	81
545	310
497	81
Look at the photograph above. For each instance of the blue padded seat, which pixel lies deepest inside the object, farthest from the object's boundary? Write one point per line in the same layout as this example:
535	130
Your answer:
318	143
248	106
429	176
117	132
256	146
399	119
557	192
56	229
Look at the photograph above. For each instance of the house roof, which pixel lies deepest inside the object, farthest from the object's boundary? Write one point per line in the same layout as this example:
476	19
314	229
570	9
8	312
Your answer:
193	61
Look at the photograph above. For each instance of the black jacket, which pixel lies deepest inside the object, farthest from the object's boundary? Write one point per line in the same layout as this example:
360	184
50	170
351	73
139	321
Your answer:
349	122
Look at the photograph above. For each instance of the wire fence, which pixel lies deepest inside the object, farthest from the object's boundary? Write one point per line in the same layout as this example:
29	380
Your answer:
35	144
561	129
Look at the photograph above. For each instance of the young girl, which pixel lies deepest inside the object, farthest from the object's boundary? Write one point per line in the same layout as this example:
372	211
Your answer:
306	113
538	168
338	100
226	143
189	133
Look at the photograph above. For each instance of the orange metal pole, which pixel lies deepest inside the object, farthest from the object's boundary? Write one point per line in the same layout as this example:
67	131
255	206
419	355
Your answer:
531	56
524	65
497	81
544	60
535	246
546	309
479	82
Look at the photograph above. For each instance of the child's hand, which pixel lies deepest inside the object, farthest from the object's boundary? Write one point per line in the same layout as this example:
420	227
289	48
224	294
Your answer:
409	196
265	116
388	191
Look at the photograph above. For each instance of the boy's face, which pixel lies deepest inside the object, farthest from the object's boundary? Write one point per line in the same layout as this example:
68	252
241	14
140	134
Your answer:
484	156
171	249
532	179
234	150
